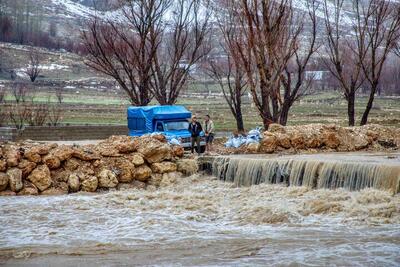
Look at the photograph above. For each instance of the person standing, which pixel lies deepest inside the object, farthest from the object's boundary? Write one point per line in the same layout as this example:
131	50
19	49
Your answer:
209	129
195	129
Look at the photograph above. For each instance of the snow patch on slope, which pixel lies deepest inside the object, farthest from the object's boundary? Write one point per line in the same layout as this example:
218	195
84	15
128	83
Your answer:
75	10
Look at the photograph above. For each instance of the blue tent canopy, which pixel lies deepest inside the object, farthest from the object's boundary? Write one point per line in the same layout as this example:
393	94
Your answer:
151	113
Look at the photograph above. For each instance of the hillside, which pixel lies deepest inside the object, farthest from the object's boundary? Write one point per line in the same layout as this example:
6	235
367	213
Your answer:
68	17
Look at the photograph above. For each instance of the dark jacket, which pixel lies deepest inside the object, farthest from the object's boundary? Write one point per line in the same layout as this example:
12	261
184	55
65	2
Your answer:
195	129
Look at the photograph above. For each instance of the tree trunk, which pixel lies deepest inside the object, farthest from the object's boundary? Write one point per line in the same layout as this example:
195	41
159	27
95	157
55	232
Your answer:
239	121
350	108
266	123
365	115
284	114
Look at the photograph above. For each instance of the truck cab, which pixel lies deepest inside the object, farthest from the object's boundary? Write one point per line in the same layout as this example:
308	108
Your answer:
172	121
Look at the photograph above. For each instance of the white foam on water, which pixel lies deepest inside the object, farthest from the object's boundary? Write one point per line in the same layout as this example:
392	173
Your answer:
203	221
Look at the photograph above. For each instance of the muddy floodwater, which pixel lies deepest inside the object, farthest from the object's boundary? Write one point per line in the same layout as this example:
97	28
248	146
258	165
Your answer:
201	221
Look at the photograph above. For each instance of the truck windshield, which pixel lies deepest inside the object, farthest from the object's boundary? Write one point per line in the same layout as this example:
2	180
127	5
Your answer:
176	125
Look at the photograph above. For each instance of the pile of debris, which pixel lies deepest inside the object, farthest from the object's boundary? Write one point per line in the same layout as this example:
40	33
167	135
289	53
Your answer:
119	162
315	137
238	140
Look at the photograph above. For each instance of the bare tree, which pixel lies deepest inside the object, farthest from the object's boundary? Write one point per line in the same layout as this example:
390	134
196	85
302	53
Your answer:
1	60
3	114
38	114
270	30
182	46
125	49
377	31
396	49
343	61
55	114
294	80
19	114
228	72
390	79
19	91
33	69
59	94
2	94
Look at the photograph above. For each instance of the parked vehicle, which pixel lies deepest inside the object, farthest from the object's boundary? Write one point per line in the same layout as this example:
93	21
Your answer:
172	121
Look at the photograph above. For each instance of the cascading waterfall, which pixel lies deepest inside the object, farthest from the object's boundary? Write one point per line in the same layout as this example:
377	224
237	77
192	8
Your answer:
310	172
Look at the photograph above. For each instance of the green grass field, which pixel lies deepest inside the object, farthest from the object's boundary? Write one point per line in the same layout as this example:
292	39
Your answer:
90	99
321	108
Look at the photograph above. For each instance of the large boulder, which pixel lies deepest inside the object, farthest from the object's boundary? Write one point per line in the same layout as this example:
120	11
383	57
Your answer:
159	137
154	150
313	141
107	150
62	152
89	184
253	148
41	177
56	190
33	156
276	128
74	182
15	179
187	166
163	167
128	146
85	155
124	169
77	165
4	178
28	190
269	143
36	152
27	167
52	161
142	173
116	145
3	165
43	149
13	155
360	141
60	175
330	139
283	140
178	151
135	158
107	179
72	164
297	140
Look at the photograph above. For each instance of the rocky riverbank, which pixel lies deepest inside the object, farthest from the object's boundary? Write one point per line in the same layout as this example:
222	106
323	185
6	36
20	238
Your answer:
319	137
119	162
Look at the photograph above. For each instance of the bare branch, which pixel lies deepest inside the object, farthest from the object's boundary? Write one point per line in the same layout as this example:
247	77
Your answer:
183	45
33	69
125	50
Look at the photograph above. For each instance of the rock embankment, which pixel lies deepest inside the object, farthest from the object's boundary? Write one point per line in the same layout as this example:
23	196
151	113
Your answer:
119	162
317	137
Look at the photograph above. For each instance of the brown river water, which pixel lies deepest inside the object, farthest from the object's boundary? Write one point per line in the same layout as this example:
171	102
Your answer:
202	221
